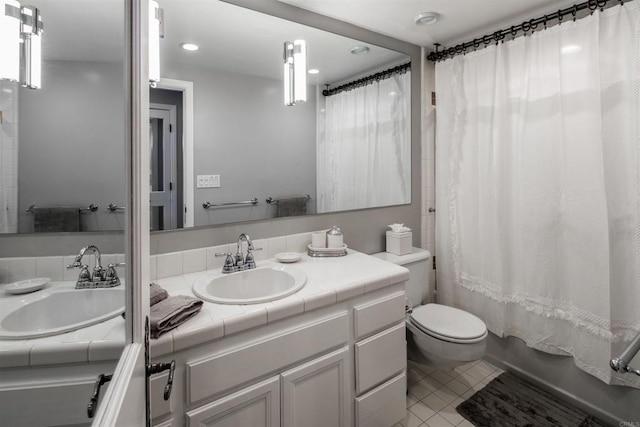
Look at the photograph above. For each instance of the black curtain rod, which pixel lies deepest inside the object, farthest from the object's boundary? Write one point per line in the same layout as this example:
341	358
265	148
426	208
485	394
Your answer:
400	69
525	27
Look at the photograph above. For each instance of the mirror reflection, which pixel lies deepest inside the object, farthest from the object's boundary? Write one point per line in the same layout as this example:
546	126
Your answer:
220	131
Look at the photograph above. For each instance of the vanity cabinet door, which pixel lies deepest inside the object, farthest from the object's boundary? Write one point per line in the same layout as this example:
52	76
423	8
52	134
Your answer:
255	406
315	393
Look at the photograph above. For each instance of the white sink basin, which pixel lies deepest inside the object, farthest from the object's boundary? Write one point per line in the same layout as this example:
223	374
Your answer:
262	284
57	312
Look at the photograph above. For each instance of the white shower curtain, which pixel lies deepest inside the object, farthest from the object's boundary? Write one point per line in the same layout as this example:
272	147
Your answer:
364	146
538	187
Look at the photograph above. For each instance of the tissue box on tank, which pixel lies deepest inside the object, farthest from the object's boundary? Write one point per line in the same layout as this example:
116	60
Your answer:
399	243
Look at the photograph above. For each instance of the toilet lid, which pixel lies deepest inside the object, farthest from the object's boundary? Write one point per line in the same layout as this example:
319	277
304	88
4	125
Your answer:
448	323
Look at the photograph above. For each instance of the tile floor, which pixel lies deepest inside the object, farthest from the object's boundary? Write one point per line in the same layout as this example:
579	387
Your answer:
434	394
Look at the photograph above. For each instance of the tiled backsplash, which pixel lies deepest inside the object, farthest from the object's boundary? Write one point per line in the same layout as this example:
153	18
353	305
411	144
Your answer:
192	261
161	266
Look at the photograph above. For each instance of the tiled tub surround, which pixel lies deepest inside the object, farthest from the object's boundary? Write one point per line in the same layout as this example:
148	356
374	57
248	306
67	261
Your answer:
332	284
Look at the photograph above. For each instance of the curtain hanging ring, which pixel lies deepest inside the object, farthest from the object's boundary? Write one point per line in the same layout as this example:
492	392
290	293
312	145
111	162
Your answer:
574	12
514	32
526	27
560	16
601	4
592	5
533	24
486	40
545	21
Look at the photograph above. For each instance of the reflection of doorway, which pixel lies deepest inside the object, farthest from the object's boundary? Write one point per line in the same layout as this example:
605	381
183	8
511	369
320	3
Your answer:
163	179
179	93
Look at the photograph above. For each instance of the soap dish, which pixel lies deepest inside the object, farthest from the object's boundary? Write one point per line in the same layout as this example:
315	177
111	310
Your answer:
26	286
326	252
288	257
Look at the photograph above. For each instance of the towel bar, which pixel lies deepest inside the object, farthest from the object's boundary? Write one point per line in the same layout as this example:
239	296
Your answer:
114	207
621	363
271	200
208	205
91	208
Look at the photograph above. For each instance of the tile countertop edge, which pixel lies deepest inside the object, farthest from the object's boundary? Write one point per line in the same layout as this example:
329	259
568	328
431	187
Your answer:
182	338
254	316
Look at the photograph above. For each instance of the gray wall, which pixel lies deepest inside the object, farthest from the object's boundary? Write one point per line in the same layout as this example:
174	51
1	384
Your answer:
244	133
71	142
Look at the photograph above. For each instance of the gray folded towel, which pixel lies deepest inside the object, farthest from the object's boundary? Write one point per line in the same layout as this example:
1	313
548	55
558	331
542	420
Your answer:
56	219
172	312
157	294
292	206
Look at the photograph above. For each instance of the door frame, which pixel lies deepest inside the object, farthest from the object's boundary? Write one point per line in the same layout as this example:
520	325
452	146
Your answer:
122	403
188	192
171	112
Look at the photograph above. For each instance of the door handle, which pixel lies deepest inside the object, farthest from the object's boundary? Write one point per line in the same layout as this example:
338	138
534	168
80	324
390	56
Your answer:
155	368
93	402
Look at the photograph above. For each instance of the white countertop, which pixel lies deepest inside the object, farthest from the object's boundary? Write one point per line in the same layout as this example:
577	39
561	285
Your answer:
329	281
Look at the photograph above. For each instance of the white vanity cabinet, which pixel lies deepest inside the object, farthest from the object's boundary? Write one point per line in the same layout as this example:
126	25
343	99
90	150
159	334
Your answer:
312	394
327	367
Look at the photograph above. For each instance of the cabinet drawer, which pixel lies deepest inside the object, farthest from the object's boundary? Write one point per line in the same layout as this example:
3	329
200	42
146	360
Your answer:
378	315
384	405
380	357
258	405
216	374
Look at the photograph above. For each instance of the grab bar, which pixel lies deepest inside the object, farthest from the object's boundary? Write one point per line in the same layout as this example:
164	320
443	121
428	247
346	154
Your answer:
208	205
91	208
271	200
621	363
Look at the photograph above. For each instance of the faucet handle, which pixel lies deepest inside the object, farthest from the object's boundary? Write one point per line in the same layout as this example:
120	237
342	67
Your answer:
84	275
229	263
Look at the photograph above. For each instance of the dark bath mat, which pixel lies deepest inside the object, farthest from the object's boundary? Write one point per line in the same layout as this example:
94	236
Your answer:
508	401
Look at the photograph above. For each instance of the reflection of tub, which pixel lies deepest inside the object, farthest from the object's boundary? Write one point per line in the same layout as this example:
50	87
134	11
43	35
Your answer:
57	309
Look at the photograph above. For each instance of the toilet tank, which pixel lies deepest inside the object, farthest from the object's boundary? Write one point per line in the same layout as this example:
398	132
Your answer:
418	288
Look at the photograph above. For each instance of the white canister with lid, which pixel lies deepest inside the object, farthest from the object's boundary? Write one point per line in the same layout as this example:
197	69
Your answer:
335	238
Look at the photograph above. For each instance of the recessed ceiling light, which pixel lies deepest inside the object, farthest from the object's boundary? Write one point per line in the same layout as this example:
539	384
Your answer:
359	50
313	71
427	18
189	46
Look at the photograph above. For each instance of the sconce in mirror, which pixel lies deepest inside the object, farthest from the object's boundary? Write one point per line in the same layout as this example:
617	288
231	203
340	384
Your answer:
156	32
20	44
295	72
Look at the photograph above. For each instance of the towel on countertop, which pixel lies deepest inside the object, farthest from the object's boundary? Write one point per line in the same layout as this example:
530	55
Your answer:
157	294
292	206
56	220
172	312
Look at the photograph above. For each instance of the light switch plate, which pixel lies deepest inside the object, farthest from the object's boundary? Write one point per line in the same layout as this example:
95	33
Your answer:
208	181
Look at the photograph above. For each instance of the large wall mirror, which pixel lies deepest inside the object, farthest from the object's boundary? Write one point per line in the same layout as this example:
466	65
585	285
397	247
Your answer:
220	131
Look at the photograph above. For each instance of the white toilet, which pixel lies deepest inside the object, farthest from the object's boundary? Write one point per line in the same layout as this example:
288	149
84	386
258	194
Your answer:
437	335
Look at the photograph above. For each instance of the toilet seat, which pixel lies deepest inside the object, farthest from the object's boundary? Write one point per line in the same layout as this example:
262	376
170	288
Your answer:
448	324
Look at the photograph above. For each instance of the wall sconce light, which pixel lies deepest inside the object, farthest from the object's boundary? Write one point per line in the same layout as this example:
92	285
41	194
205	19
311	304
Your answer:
10	21
295	72
156	32
31	52
20	44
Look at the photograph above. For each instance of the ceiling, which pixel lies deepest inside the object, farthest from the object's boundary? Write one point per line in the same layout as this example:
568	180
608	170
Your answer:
239	40
460	20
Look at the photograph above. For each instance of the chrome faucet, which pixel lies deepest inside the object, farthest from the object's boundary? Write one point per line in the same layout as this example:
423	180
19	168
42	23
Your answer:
239	262
100	278
248	262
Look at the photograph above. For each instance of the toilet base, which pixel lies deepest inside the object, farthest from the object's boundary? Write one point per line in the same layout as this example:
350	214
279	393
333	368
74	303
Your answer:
428	359
445	355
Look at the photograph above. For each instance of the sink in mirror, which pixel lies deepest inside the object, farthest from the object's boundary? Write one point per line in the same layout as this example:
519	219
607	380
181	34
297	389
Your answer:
262	284
55	312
